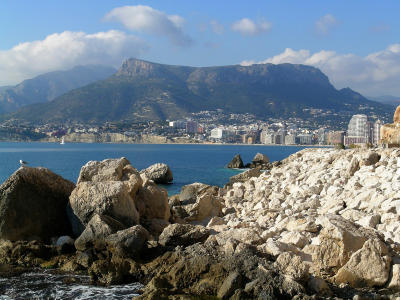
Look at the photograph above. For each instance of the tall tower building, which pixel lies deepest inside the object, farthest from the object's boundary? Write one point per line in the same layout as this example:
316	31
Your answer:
358	126
358	130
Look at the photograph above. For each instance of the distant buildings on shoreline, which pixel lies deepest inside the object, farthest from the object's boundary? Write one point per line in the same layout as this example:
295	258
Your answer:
359	131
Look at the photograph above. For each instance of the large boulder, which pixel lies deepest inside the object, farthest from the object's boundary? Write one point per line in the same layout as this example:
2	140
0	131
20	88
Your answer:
198	202
106	170
33	204
111	198
128	242
159	173
183	235
107	188
369	266
98	228
152	202
236	162
338	240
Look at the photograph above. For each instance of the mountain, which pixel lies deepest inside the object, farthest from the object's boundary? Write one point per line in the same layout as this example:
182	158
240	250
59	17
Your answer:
48	86
142	90
387	99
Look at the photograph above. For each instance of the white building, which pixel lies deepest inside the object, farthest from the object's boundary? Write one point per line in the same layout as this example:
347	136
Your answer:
358	130
220	133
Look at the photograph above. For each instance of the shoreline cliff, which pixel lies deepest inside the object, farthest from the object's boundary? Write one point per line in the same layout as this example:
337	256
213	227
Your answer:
323	223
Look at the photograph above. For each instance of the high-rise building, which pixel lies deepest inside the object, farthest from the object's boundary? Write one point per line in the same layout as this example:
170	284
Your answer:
358	131
357	126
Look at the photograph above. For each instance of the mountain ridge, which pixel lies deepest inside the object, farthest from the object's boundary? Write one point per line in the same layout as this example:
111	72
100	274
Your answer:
142	90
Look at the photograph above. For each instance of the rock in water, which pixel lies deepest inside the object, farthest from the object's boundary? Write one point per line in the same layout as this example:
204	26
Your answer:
159	173
236	162
33	205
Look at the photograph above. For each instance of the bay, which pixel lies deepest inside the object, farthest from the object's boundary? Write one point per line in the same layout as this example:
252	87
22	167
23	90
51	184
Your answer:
189	163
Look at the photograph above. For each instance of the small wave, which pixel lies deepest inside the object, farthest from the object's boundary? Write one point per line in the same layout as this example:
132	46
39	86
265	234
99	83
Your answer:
49	285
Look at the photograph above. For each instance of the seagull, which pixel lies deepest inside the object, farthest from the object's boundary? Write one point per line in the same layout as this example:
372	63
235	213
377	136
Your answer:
23	163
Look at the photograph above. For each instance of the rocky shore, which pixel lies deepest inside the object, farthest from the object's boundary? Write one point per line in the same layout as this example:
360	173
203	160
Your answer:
321	224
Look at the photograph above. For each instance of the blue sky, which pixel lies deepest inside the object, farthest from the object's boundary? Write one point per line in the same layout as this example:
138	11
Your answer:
356	43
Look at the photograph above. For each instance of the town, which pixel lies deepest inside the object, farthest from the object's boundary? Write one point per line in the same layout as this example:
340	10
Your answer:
214	126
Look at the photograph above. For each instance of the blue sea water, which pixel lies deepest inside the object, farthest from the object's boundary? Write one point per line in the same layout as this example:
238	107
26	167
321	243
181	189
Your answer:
189	163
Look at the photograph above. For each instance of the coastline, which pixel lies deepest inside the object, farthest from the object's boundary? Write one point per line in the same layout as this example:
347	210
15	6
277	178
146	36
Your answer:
267	233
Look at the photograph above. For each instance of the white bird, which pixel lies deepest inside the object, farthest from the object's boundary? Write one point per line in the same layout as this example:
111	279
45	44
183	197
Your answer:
23	163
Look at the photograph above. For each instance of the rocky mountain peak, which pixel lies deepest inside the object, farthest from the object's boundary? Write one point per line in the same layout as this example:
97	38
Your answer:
136	67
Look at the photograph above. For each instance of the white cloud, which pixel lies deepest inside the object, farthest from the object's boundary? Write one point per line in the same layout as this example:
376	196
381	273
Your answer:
248	27
375	74
325	24
64	50
217	27
145	19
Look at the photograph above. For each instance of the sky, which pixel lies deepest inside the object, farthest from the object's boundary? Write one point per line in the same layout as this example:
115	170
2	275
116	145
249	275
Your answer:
355	43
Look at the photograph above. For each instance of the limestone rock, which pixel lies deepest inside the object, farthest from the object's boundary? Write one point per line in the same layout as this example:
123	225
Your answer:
33	204
370	158
98	228
106	170
339	239
183	235
395	280
242	177
260	159
128	242
111	198
230	284
236	162
369	266
293	266
319	286
152	202
353	167
159	173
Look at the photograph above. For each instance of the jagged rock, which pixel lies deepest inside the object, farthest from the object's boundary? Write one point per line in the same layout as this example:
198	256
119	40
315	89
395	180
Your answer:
236	162
183	235
369	266
152	202
33	205
201	270
159	173
198	202
128	242
189	192
339	239
98	228
353	167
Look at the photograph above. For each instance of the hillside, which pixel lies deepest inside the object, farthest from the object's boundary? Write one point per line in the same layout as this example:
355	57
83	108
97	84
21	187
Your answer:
48	86
143	90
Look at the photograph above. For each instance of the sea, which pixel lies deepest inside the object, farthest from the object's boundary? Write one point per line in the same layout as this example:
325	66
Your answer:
189	163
